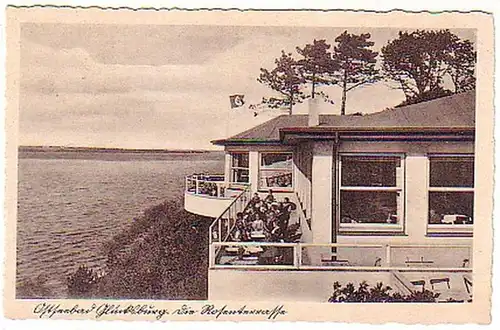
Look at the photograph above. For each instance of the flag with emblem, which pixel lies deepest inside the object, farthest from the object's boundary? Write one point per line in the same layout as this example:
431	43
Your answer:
236	100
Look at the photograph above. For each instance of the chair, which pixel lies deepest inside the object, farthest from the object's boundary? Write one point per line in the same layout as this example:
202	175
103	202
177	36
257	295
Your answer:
440	280
419	282
468	284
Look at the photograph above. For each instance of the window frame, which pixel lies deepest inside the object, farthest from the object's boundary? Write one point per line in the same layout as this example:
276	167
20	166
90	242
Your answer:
233	169
264	169
370	228
449	229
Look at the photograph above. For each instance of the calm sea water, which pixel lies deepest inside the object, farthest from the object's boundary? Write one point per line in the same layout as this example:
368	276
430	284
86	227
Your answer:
67	208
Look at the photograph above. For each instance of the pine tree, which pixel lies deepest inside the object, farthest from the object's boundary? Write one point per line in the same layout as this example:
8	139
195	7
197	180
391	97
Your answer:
286	78
420	61
356	63
317	64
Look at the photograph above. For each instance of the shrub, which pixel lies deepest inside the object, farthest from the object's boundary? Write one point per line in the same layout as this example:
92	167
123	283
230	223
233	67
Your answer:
83	283
162	255
378	293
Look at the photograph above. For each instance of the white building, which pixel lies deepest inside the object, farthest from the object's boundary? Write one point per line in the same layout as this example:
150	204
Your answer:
384	197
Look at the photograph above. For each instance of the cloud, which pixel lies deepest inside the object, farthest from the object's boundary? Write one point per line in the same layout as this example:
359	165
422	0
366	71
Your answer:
136	44
157	86
51	71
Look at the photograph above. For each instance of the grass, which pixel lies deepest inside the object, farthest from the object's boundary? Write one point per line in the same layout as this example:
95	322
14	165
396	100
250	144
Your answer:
162	255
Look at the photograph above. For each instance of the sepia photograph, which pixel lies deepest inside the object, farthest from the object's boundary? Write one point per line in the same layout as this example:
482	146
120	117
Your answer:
191	160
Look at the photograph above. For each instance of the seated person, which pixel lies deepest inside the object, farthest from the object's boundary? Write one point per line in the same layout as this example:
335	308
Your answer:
275	232
271	182
288	205
255	199
258	224
270	218
288	181
275	207
213	189
270	197
241	233
249	226
283	220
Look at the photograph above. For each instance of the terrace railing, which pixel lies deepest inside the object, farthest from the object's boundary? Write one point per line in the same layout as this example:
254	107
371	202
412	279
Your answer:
355	257
220	230
212	185
209	185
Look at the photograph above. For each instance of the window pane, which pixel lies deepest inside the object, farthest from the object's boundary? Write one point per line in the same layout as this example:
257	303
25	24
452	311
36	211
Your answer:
452	172
451	207
240	160
276	160
369	207
239	175
276	170
370	171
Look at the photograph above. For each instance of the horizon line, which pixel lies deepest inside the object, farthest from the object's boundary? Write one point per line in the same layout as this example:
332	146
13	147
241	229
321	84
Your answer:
56	147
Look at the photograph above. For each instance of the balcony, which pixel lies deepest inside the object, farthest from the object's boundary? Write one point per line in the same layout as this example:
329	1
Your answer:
210	195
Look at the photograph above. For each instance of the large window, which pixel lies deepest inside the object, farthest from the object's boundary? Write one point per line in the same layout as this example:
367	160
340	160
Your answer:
239	167
276	170
371	192
451	193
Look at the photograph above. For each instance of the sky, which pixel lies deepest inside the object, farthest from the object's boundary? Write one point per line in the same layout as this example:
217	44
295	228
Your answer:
163	86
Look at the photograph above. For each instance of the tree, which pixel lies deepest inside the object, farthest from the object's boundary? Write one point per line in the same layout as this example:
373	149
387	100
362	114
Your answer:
420	61
461	64
286	78
316	64
356	63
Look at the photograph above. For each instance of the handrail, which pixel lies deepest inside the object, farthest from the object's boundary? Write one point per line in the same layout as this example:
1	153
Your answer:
227	209
337	264
333	245
213	185
278	244
195	176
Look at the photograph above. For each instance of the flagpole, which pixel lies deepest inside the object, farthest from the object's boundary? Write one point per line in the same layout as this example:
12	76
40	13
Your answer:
228	116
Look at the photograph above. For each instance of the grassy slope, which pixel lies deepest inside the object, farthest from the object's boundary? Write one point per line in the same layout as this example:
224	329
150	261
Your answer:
162	255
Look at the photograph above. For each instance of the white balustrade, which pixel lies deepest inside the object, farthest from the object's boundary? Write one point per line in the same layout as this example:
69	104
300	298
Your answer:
363	257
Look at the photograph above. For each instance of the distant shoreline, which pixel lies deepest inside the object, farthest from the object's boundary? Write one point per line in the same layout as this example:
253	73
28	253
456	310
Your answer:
112	150
117	154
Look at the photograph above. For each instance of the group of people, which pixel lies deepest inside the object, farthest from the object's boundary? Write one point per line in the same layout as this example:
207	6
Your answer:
210	189
284	180
205	186
263	219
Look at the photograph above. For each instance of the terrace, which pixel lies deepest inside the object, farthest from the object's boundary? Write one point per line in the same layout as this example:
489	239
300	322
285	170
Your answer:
443	268
209	195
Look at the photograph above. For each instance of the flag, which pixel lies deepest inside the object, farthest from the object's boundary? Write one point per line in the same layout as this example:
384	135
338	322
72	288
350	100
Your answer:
236	100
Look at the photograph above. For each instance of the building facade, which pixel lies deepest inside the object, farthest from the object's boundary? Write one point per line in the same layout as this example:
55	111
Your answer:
382	197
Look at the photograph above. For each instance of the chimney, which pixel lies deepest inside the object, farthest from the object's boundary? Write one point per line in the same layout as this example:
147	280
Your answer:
313	118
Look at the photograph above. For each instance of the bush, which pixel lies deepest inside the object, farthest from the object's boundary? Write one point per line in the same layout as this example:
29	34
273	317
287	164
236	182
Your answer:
162	255
83	283
378	293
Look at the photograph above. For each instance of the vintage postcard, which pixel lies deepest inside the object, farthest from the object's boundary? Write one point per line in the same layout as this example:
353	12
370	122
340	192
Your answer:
249	165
